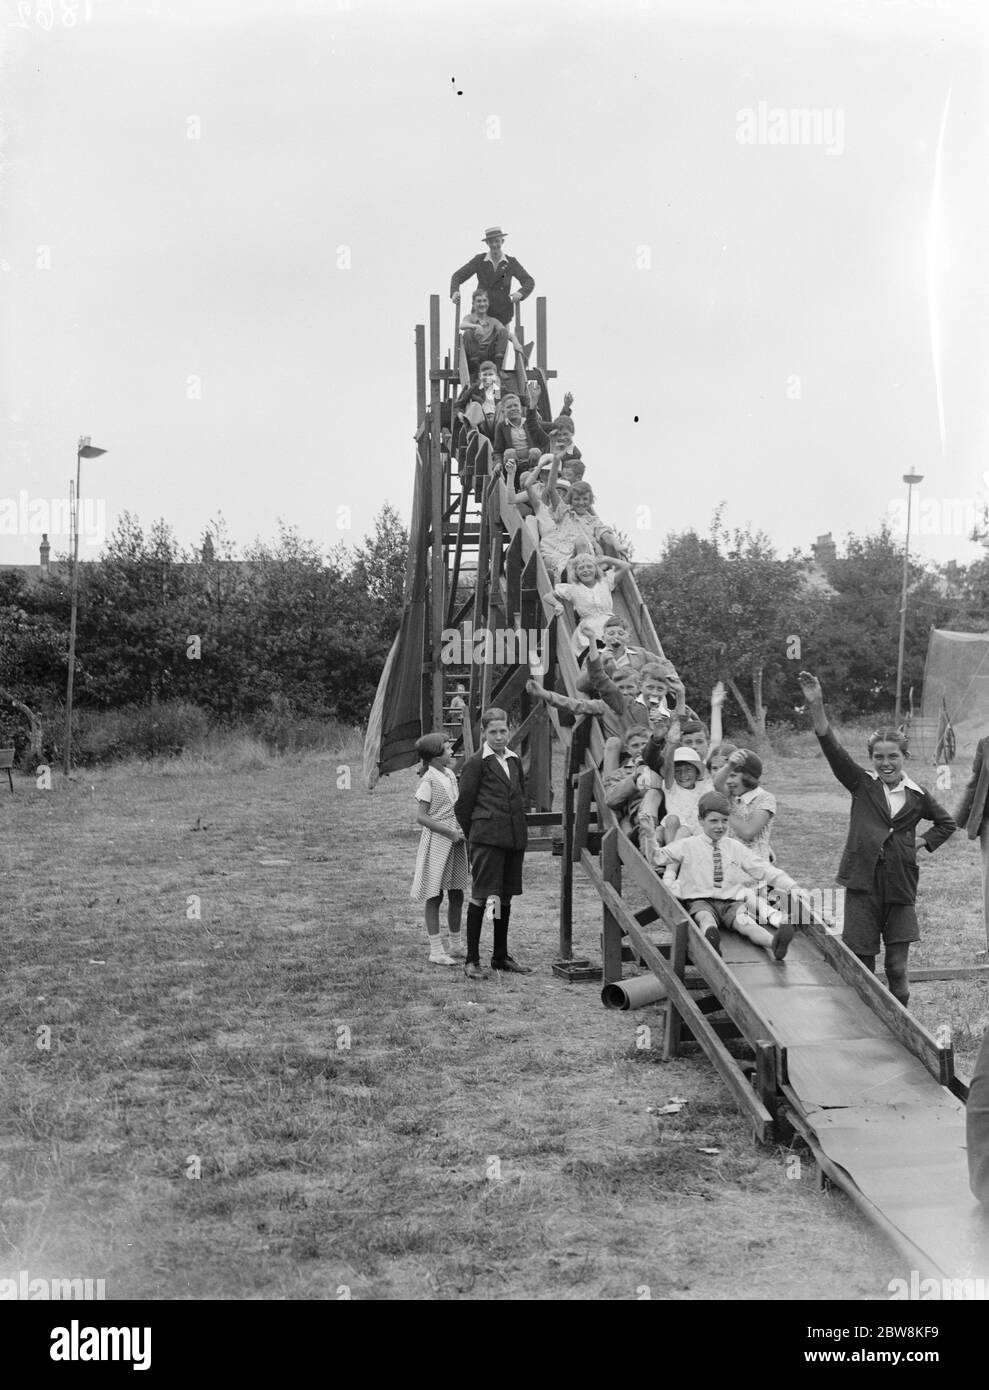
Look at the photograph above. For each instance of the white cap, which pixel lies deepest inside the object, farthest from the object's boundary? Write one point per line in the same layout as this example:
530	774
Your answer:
687	755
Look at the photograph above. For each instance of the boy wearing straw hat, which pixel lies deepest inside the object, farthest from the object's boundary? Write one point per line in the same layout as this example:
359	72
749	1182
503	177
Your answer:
495	272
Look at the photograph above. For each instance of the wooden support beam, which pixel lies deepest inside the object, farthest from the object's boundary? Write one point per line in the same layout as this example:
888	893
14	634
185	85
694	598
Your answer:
420	375
766	1079
582	813
437	596
734	998
513	575
678	993
475	696
678	964
939	1061
541	346
566	863
611	873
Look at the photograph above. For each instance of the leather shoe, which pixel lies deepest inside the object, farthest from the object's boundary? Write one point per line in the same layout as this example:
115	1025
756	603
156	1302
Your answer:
474	972
782	939
511	965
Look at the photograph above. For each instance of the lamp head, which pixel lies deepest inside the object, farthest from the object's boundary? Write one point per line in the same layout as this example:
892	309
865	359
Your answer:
912	479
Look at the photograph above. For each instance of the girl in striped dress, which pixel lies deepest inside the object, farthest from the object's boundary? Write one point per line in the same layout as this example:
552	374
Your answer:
441	864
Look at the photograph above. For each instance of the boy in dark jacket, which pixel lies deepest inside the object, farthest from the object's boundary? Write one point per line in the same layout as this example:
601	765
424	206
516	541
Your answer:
878	868
491	812
495	272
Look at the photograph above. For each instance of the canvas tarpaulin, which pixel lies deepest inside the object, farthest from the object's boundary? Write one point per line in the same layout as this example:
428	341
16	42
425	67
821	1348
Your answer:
395	721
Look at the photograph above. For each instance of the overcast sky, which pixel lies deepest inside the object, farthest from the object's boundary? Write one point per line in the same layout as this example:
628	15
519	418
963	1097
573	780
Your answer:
739	319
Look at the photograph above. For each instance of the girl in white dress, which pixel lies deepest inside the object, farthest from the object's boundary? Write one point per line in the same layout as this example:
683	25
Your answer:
441	864
592	579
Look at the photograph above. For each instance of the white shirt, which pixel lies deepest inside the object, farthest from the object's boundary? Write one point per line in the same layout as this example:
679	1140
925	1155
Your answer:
502	758
896	797
689	868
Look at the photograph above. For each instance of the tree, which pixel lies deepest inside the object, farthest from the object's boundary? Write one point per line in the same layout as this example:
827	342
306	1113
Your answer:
853	642
379	567
727	608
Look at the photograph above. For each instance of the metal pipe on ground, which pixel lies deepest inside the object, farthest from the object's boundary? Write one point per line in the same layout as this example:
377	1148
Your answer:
634	993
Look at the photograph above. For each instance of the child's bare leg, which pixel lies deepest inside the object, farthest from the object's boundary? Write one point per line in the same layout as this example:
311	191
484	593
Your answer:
612	755
670	826
748	927
895	965
706	921
438	954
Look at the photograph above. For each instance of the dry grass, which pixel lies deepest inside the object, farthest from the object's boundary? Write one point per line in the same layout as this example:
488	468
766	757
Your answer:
485	1142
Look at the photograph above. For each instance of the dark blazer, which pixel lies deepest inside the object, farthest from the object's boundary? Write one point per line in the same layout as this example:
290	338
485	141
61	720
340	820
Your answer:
972	809
534	432
977	1125
491	809
871	830
498	283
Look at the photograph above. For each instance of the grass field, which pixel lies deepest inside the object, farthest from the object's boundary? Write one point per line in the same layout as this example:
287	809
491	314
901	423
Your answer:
273	1095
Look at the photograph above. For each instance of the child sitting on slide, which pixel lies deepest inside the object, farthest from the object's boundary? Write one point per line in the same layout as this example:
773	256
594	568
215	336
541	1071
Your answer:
711	873
626	779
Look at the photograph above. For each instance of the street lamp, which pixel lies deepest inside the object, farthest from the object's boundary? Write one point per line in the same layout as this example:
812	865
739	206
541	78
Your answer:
84	450
911	480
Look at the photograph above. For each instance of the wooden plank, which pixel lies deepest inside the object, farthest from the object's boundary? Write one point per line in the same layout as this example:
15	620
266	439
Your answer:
677	991
939	1061
541	346
949	972
678	964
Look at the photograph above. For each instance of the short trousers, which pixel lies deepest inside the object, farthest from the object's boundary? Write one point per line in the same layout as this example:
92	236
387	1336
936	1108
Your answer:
723	910
495	872
869	921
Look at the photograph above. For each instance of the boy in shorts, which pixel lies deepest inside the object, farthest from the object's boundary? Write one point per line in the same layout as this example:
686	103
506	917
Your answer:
711	874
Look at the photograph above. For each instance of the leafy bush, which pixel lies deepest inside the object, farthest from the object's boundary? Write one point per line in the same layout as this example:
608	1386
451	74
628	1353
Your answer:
139	731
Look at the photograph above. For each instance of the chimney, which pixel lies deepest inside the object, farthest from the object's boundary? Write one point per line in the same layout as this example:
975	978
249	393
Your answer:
45	550
825	551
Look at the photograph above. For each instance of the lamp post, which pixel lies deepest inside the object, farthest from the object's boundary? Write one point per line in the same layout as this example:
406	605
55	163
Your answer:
911	480
84	450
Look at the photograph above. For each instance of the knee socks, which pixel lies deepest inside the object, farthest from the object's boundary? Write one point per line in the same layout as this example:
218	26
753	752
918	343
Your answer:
895	965
475	920
500	948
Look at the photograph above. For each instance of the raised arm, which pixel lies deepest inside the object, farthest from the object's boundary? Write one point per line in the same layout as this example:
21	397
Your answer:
549	491
843	765
717	728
